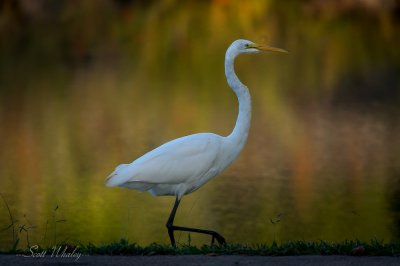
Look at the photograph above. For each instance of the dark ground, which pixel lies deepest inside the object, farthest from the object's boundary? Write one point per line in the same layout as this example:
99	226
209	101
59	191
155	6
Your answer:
197	260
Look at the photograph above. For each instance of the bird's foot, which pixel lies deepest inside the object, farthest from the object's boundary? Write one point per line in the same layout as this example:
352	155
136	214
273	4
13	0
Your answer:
220	239
213	234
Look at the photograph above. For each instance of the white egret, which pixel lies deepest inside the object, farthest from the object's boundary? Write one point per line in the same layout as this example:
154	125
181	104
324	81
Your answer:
183	165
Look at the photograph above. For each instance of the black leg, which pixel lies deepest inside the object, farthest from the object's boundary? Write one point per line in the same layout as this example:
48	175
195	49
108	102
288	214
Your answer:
170	222
171	228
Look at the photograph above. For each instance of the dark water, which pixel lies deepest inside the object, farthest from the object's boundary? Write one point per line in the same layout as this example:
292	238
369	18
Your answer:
86	86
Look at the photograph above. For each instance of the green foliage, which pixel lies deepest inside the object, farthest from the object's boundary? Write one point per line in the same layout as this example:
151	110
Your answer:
349	247
293	248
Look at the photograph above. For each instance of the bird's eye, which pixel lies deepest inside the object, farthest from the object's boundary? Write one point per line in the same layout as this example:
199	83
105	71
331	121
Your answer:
247	45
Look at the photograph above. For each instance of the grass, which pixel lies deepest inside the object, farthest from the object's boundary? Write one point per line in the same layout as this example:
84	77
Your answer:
350	247
376	248
123	247
21	228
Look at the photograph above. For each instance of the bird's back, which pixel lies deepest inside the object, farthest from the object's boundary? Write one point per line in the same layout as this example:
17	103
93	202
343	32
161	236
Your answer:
175	168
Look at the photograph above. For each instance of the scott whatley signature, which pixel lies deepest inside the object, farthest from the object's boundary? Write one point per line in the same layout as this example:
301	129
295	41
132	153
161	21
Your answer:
54	252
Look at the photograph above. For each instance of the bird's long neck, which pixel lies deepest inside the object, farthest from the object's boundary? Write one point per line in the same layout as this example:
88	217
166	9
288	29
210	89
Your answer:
239	134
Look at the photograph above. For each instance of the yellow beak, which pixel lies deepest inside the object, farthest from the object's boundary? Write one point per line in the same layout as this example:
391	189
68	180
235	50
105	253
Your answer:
262	47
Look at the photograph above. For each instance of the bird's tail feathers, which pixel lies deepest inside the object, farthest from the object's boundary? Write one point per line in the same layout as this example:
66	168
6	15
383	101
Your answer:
110	180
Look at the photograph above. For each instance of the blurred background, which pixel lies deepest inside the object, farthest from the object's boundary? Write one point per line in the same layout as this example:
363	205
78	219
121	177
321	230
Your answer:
87	85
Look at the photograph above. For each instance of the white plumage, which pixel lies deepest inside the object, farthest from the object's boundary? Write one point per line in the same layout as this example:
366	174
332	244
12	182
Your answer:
183	165
177	167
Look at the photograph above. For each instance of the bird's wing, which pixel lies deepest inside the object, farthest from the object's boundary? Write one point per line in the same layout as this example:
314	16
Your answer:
174	162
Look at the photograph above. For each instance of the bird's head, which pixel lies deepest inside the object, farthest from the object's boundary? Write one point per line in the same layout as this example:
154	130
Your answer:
247	47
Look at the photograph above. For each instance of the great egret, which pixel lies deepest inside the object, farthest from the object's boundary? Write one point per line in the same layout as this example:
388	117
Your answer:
183	165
